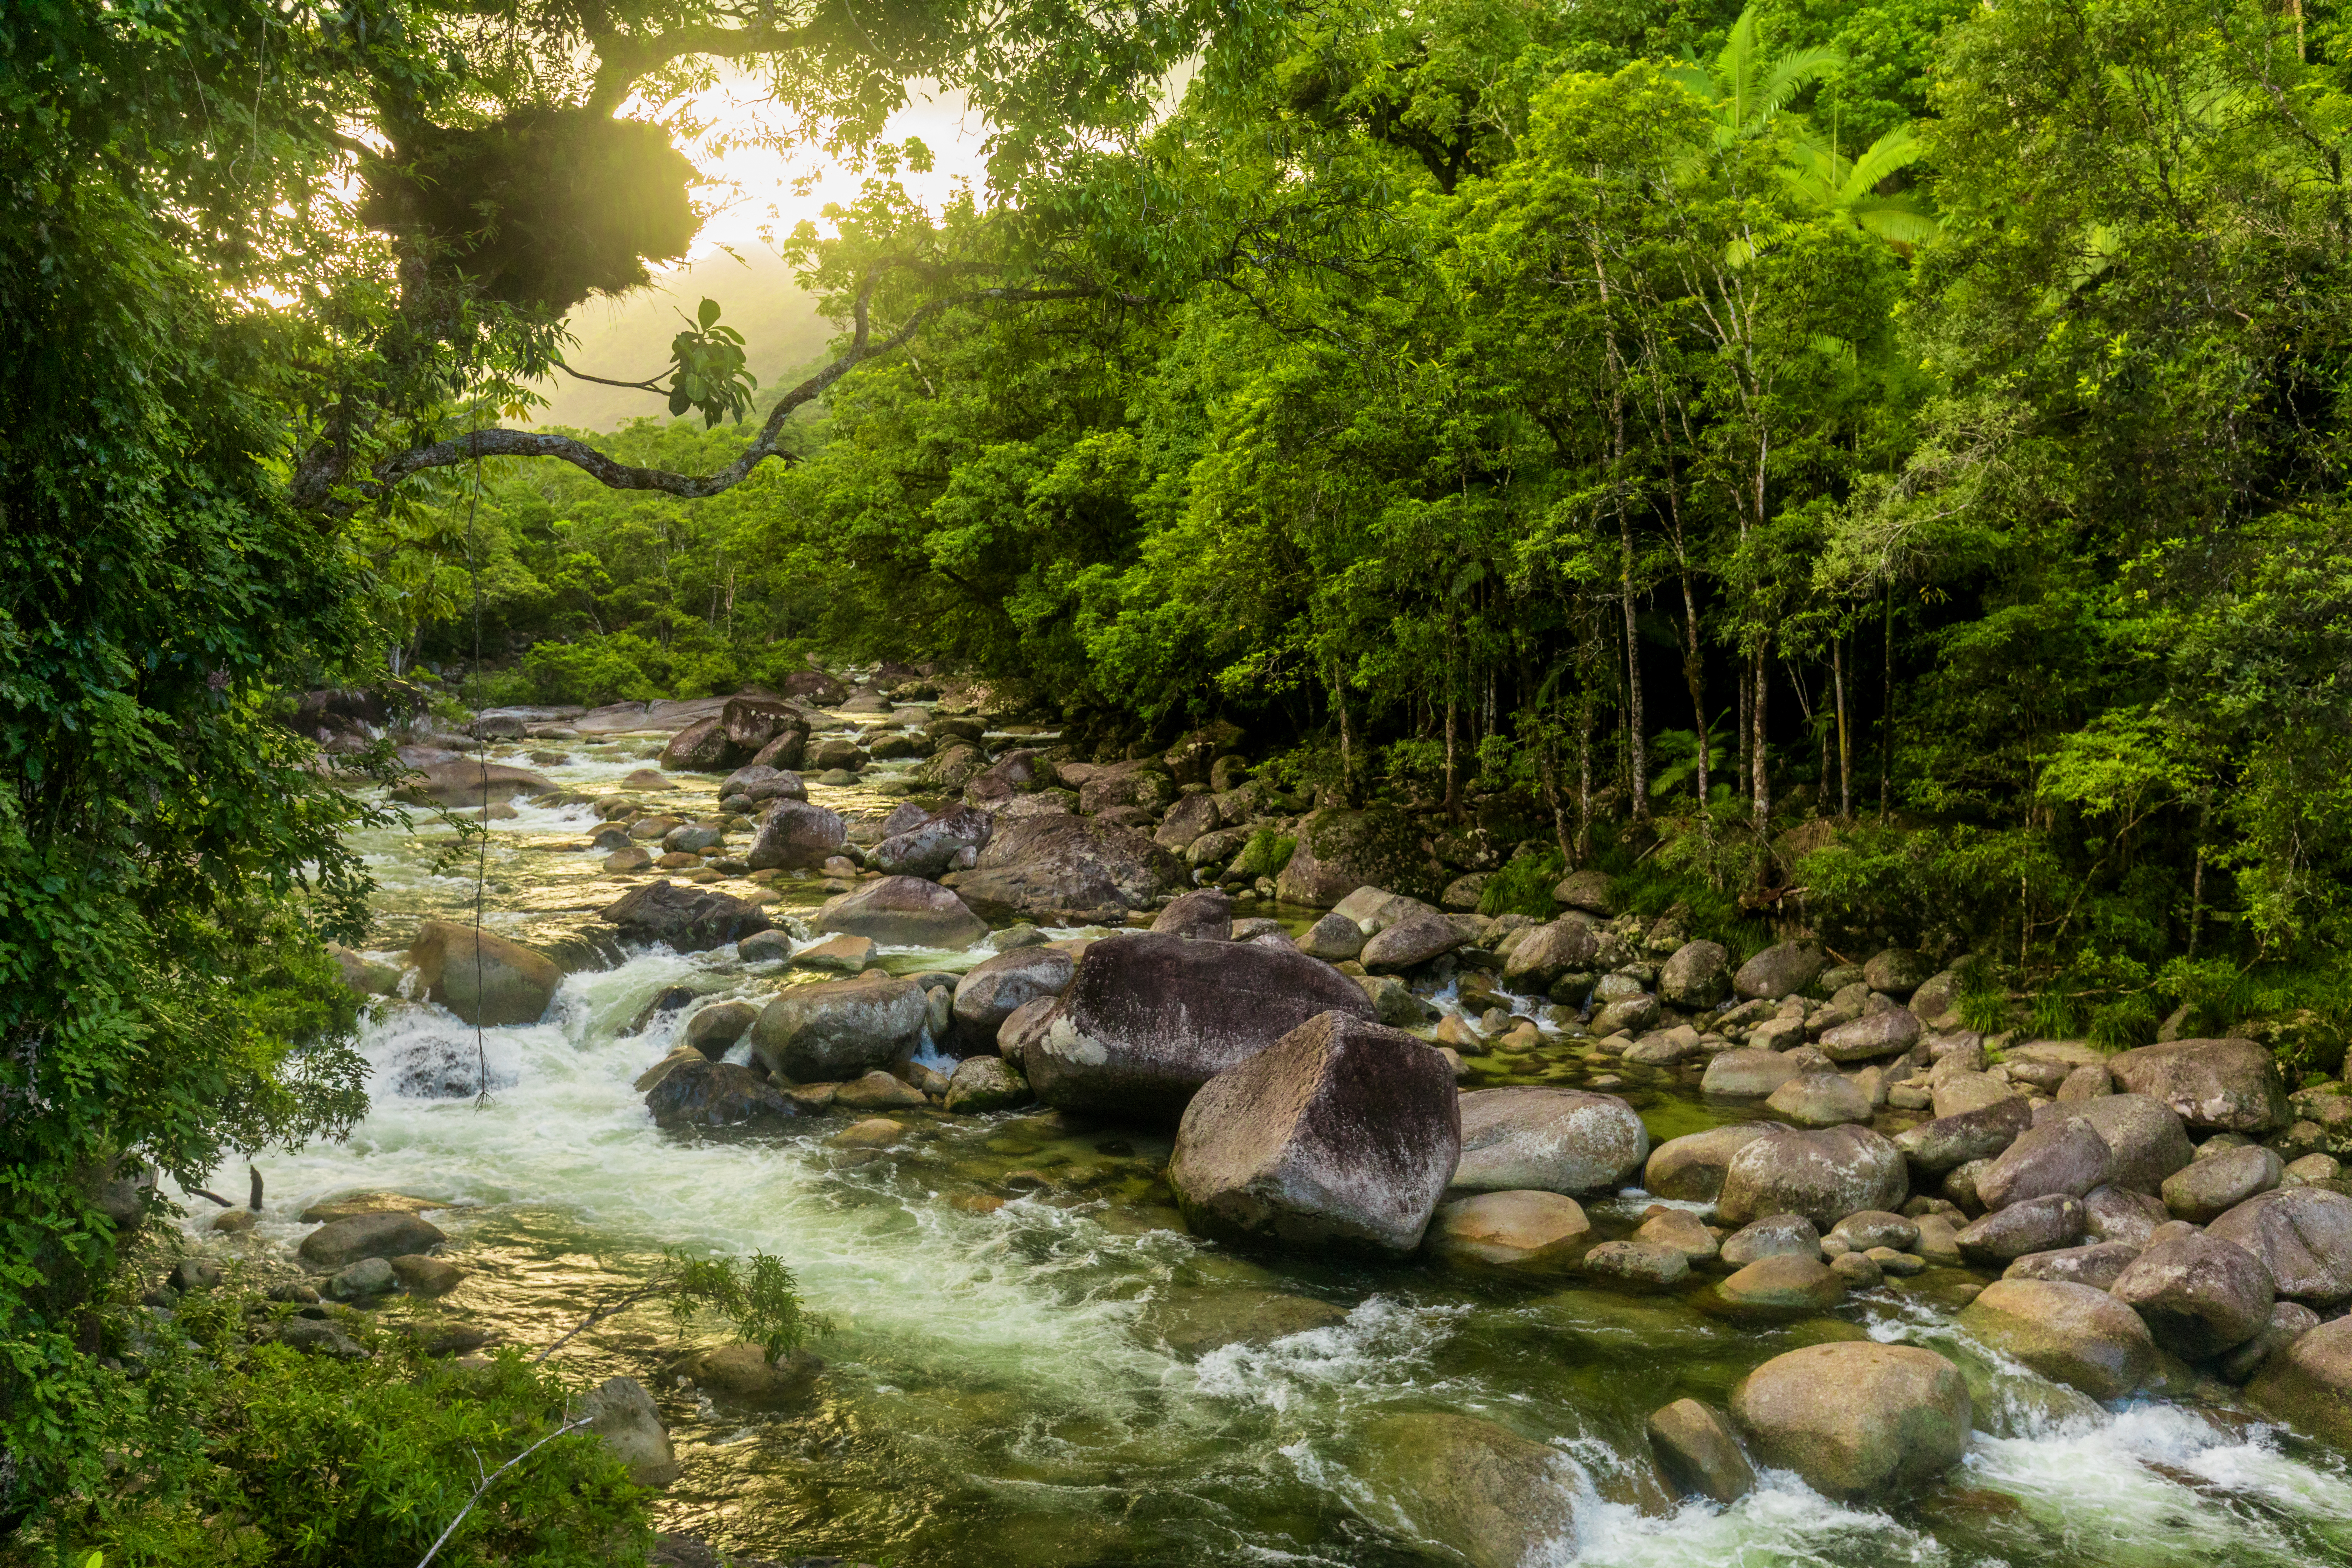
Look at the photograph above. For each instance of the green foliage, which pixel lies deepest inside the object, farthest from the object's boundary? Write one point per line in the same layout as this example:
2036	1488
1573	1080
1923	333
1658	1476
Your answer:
758	1294
1265	854
709	372
1524	885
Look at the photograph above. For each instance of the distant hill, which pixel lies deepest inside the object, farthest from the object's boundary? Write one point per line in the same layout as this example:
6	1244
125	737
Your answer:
629	339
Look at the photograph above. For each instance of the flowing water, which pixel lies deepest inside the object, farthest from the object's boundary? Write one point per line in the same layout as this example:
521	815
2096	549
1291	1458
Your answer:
1026	1385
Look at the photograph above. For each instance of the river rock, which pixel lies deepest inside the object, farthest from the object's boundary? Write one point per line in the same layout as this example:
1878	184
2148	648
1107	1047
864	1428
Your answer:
1637	1263
682	917
1022	772
2075	1335
357	1282
1775	1236
1783	1282
699	1092
1148	1018
1956	1093
1691	1168
1144	784
902	912
2229	1085
1784	970
2289	1321
1338	1137
1747	1073
1872	1035
1819	1099
985	1083
757	782
836	1030
714	1029
1482	1491
484	979
469	784
1340	851
621	1414
699	748
1857	1419
1548	1140
2065	1156
2118	1214
2030	1224
1334	939
1950	1142
1205	914
1527	1232
1411	942
934	846
2206	1189
1695	1447
794	834
2303	1236
994	989
1542	955
341	1242
2148	1140
1055	870
1823	1175
1897	971
2309	1383
1680	1230
742	1374
2098	1265
2199	1296
1696	978
1191	816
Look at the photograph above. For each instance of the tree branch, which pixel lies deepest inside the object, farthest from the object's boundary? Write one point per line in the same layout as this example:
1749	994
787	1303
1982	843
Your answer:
619	476
621	58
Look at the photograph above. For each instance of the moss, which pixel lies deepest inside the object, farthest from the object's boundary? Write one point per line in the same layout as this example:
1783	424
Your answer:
1265	854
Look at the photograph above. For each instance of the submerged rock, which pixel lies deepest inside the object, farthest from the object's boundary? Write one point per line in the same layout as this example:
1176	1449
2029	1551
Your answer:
742	1375
1192	1321
1480	1489
2070	1333
1337	1137
700	1092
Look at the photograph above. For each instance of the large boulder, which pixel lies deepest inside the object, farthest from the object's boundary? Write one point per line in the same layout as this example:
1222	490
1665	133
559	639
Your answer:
1897	971
1068	870
1548	952
469	783
1695	1447
699	1092
1411	941
1823	1175
1148	1018
484	979
1873	1035
2303	1236
1950	1142
2309	1384
341	1242
1011	776
1857	1419
2075	1335
621	1412
1340	851
2098	1264
2146	1134
1527	1232
683	917
2205	1189
902	912
1205	914
1691	1168
1338	1137
936	846
795	833
1480	1490
1186	821
1530	1137
1696	978
2066	1157
699	748
2033	1225
756	781
1747	1073
1143	784
2231	1086
2200	1296
839	1029
750	723
1783	969
992	990
2114	1213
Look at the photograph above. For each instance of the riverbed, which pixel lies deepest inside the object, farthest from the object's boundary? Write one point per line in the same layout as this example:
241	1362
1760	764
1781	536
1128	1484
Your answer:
1023	1352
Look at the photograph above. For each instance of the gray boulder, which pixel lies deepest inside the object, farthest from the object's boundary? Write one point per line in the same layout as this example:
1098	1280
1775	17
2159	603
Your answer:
1747	1073
2065	1156
2303	1235
1695	1447
341	1243
1897	972
1823	1175
2206	1189
1548	952
621	1412
1775	1236
2098	1265
902	912
2033	1225
1476	1489
838	1029
2148	1140
1691	1168
986	1083
1784	970
1872	1035
992	990
1950	1142
934	846
1819	1099
1205	914
794	834
2070	1333
682	917
1067	870
2199	1296
1339	851
1334	939
469	783
2114	1213
484	979
1338	1137
2309	1383
2231	1086
699	1092
1411	942
1148	1018
1548	1140
1696	978
716	1028
1857	1419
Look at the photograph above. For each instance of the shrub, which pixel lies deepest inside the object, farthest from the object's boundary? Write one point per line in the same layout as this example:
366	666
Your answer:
1524	887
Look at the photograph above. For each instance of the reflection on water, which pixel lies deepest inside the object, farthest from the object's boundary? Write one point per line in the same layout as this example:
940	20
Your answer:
1068	1379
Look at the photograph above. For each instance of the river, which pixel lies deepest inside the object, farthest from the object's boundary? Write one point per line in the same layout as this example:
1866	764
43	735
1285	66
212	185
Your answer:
1007	1385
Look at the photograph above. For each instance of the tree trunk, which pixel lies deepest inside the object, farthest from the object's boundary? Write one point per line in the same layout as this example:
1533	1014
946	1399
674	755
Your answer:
1694	678
1347	737
1845	756
1760	772
1452	796
1583	786
1886	705
1637	748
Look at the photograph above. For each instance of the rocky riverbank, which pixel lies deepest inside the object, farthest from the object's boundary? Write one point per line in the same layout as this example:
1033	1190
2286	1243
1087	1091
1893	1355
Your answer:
1017	990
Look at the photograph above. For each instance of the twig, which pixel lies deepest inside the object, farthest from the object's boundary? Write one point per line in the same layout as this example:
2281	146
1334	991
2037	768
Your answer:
574	1425
620	1304
215	1198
